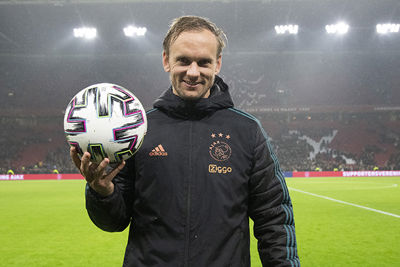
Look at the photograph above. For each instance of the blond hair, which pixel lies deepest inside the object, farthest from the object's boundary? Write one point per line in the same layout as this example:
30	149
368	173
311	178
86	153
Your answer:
193	23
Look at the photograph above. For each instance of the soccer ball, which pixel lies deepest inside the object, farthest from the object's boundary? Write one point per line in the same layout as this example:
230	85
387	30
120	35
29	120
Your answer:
106	120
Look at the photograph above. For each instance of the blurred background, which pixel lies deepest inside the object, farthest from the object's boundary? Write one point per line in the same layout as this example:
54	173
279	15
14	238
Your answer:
321	75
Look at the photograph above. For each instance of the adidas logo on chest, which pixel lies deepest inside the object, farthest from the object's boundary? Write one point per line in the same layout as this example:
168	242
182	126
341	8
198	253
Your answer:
158	151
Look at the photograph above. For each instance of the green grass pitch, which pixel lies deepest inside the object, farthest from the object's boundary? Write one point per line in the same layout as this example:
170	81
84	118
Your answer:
44	223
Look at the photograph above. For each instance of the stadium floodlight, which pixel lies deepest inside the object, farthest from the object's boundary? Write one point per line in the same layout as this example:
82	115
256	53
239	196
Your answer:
132	31
339	28
85	33
387	28
287	29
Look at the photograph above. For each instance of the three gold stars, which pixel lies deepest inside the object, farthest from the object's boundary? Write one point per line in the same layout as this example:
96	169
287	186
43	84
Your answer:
227	136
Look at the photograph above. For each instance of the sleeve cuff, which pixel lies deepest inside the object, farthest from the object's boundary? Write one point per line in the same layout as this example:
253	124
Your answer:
96	195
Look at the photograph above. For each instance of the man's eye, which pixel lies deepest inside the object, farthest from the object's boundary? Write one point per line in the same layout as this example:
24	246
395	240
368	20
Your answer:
183	61
204	63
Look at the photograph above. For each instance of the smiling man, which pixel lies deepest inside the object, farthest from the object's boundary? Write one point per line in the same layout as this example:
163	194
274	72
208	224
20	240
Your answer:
192	61
203	169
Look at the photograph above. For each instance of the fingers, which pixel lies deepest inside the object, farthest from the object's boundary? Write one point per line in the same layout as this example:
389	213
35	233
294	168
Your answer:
85	166
95	171
116	170
100	170
102	181
75	157
95	174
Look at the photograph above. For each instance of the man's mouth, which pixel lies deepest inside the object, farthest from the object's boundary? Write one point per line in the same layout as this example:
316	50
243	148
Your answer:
191	84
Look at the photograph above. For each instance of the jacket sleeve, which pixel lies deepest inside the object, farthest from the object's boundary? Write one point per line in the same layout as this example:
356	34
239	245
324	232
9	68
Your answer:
113	213
270	208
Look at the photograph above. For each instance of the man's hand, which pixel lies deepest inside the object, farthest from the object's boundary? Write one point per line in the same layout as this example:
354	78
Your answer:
95	174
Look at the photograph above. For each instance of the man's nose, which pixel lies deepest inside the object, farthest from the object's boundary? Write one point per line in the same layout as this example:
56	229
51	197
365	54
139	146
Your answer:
193	69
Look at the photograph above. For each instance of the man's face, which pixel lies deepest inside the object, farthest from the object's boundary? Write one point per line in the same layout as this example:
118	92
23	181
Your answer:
192	64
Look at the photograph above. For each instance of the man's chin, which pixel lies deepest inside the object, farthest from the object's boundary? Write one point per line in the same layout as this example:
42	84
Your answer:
190	98
190	95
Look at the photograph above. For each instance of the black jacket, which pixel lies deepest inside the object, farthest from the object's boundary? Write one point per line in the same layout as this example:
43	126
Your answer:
203	169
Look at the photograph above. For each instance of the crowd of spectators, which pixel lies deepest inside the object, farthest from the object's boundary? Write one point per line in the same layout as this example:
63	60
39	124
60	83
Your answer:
300	146
294	152
319	145
255	81
259	80
312	80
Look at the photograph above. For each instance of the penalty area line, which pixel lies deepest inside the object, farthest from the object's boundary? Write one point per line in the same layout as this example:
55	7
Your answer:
346	203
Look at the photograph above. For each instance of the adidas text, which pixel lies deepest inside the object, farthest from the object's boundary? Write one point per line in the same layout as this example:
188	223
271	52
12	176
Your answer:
158	151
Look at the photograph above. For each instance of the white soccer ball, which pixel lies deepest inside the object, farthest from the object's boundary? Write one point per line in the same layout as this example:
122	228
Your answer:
106	120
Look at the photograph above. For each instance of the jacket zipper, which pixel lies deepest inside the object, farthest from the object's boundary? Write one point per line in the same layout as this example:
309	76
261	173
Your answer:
187	228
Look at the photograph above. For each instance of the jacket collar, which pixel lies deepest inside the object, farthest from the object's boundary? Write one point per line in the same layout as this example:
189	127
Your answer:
175	106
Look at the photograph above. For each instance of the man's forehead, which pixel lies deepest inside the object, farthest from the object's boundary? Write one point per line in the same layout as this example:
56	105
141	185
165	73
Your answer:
204	36
201	43
187	54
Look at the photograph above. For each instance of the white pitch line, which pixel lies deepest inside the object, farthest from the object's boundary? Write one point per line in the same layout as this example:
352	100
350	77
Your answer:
347	203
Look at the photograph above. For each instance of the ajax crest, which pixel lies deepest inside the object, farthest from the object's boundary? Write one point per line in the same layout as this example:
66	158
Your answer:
219	149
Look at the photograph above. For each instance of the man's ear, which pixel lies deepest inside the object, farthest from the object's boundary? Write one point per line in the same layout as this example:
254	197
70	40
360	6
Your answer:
219	63
165	62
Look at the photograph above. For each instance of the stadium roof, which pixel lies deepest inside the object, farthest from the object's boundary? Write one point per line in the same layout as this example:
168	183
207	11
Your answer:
45	26
16	2
62	2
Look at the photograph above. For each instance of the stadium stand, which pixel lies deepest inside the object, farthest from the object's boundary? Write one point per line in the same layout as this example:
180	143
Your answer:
318	112
36	144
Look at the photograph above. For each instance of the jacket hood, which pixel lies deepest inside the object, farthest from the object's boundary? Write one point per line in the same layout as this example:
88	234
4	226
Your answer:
175	106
